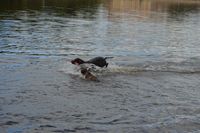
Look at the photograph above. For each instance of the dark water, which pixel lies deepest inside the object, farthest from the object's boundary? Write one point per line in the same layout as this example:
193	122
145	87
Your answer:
151	84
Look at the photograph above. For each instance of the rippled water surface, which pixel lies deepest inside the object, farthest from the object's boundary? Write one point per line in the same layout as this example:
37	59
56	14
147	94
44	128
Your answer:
151	85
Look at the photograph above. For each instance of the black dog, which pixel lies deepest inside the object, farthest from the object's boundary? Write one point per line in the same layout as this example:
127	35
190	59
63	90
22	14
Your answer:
98	61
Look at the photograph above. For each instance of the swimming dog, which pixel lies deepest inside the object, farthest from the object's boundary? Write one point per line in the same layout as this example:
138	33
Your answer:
87	75
98	61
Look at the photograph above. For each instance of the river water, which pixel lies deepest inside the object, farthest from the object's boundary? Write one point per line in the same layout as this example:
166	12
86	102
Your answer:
150	86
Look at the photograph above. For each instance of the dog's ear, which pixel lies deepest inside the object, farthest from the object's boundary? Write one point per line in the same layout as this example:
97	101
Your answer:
80	61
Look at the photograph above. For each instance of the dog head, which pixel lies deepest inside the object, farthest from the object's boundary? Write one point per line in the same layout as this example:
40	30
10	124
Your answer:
77	61
84	71
87	75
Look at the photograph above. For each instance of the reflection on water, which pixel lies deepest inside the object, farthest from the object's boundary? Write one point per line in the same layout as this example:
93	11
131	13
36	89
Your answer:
41	4
149	29
145	88
61	7
173	7
153	5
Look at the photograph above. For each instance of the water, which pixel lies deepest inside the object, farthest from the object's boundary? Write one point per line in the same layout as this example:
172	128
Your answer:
151	84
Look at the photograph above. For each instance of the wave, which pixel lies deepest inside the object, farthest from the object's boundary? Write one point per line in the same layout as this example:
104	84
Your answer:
185	67
177	67
132	70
